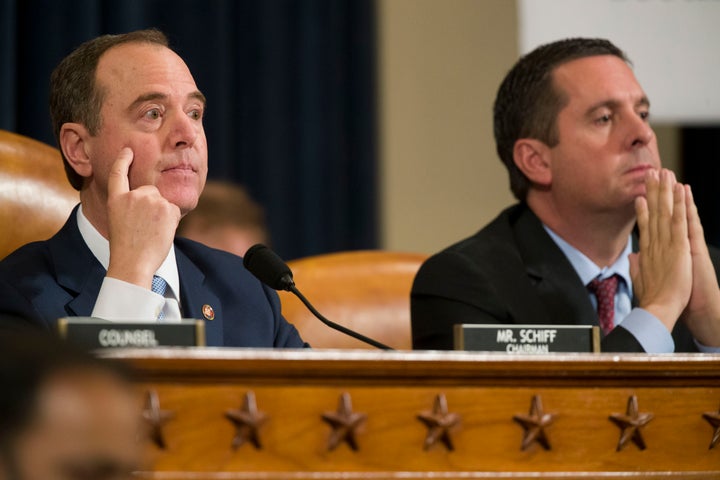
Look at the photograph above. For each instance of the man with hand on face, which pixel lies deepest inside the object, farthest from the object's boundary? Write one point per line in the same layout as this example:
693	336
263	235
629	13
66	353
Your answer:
129	122
572	127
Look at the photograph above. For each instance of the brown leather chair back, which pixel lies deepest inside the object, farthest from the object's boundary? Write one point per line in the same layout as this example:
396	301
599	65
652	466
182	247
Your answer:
365	291
35	196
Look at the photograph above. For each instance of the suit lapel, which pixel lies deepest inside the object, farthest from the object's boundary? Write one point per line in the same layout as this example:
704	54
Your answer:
558	286
79	273
196	297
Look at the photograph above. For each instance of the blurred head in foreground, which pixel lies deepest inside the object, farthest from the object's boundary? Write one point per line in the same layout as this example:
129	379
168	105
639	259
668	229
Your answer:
64	415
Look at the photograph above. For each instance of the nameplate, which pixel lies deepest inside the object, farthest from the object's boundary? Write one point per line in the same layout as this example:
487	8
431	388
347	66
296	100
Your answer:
94	333
527	339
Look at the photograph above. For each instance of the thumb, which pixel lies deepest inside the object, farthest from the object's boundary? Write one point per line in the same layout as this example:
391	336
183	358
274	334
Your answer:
118	182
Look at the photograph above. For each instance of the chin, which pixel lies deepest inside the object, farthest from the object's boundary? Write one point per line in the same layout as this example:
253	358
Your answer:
641	192
186	207
638	189
185	201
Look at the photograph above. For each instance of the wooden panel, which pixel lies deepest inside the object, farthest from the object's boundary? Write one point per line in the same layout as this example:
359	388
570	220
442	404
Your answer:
294	389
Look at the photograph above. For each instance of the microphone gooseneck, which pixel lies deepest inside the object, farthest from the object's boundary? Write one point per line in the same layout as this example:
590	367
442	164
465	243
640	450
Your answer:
270	269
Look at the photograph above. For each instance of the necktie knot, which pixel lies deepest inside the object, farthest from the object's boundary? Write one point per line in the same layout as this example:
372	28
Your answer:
159	285
604	291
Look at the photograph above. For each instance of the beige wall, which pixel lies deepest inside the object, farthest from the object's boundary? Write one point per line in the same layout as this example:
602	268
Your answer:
441	62
440	65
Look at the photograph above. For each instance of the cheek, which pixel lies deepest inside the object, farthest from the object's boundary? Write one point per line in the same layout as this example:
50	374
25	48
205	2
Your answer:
141	173
202	178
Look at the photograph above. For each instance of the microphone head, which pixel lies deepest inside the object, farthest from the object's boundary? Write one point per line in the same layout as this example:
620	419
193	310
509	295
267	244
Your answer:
268	267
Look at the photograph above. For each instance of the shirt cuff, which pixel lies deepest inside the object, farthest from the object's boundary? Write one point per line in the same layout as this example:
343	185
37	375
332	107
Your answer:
704	349
119	300
649	331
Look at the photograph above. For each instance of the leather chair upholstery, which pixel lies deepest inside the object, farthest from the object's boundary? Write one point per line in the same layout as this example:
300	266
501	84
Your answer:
366	291
35	195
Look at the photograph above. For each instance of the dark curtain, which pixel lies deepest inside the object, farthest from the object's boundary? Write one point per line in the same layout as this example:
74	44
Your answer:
700	146
291	98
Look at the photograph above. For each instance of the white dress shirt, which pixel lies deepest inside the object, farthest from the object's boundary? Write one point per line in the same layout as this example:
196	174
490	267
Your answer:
647	329
119	300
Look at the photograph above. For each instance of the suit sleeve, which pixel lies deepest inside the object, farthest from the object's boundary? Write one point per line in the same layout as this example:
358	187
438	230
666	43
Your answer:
449	289
286	335
621	340
16	312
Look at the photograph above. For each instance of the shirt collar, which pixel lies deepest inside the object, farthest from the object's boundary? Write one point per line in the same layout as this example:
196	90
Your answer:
100	248
587	269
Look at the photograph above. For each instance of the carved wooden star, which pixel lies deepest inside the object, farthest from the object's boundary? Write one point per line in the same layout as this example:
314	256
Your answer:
631	423
156	418
247	421
534	424
344	423
713	419
439	422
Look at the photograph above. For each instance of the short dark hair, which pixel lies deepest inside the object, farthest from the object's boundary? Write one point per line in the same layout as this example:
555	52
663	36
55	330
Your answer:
221	204
28	360
527	103
74	93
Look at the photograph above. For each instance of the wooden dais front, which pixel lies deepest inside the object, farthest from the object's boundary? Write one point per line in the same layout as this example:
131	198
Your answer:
264	414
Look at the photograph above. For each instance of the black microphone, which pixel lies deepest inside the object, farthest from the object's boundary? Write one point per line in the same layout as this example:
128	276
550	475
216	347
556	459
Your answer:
269	268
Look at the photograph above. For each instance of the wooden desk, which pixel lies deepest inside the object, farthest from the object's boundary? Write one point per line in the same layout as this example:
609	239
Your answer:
488	396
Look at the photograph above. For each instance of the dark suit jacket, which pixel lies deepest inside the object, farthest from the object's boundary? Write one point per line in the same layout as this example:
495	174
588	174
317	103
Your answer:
510	272
60	277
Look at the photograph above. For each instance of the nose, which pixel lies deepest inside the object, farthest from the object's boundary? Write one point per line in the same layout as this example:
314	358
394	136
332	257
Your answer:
640	133
184	130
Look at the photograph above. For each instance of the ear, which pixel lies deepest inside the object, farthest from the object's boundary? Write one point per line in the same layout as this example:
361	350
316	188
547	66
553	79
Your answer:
532	157
73	143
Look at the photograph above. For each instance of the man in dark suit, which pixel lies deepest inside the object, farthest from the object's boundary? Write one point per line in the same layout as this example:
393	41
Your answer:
571	126
128	119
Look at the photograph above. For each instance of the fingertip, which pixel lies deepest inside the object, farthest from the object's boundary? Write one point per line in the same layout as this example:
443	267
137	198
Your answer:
652	177
118	181
690	203
126	153
640	202
124	159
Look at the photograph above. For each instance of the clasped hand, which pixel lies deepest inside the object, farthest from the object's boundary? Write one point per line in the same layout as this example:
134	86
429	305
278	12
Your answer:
673	276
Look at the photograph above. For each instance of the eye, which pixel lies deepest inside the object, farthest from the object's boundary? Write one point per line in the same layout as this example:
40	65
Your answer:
153	114
645	115
603	119
196	114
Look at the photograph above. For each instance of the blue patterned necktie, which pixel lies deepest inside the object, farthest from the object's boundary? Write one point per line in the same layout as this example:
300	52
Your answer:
159	285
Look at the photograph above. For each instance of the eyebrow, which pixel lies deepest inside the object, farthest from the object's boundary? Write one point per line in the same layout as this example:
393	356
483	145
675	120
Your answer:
148	97
612	104
197	95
